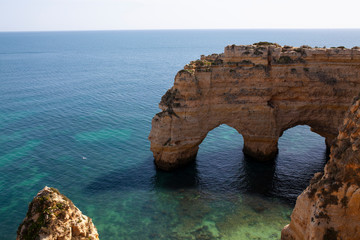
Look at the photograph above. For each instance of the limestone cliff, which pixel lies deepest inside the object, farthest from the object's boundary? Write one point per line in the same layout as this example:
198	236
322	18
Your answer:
329	208
261	90
51	215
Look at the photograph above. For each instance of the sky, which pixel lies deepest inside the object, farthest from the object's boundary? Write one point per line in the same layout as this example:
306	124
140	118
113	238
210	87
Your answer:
60	15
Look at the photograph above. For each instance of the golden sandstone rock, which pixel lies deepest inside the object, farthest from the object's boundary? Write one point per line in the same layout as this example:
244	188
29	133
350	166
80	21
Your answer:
51	215
329	208
261	90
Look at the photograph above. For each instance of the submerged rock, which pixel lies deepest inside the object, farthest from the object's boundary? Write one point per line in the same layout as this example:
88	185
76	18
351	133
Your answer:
51	215
329	208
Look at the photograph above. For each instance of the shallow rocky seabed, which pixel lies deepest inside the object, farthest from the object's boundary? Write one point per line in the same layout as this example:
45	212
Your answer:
75	114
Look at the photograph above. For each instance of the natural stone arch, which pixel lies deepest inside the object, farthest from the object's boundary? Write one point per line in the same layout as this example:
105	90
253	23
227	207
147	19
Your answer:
329	208
315	126
260	91
180	145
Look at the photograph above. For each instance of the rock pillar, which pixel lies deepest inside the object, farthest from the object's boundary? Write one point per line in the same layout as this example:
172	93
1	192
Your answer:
260	148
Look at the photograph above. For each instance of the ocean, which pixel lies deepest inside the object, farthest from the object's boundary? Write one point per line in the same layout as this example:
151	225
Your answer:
75	114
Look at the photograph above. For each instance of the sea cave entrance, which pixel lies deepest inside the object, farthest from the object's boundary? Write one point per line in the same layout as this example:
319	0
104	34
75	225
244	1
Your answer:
302	153
219	159
220	144
222	166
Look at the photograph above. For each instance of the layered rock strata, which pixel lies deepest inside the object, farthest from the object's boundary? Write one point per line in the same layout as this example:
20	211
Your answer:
51	215
261	90
329	208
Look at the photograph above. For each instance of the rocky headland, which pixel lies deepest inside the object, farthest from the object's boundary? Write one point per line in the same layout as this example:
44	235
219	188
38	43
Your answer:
51	215
261	90
329	208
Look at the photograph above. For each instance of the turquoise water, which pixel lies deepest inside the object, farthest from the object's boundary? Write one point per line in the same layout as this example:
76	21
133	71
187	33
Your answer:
75	113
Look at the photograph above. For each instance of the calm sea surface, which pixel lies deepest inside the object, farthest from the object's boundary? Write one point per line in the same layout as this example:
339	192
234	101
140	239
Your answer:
75	114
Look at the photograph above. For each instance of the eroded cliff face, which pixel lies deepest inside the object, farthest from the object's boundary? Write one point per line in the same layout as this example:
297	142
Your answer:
260	90
51	215
329	208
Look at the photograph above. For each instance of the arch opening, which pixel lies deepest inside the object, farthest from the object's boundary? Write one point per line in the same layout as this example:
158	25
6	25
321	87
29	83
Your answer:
302	153
219	159
221	164
223	139
315	127
222	132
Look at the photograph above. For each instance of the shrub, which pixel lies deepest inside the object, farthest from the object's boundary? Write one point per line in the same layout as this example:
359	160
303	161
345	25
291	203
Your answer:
218	61
266	44
257	52
305	46
285	60
246	62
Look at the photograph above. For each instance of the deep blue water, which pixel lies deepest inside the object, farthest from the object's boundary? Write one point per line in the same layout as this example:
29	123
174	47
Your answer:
75	114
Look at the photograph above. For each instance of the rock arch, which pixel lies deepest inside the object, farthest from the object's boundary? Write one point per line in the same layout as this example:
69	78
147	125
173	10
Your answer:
259	90
329	208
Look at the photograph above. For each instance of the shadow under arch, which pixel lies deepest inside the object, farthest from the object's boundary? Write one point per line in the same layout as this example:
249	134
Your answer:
257	177
221	166
179	179
302	152
214	168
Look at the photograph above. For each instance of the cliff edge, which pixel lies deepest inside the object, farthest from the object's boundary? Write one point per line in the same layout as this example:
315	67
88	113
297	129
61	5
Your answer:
261	90
329	208
51	215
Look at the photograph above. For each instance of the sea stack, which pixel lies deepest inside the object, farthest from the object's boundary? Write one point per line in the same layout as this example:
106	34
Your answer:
261	90
51	215
329	208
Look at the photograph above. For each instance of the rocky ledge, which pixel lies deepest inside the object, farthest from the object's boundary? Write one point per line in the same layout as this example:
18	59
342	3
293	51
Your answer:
329	208
51	215
260	90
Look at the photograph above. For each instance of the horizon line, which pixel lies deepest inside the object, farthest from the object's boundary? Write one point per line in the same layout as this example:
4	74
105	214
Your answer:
170	29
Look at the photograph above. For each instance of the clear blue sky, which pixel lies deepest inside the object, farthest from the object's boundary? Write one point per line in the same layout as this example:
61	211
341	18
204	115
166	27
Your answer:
43	15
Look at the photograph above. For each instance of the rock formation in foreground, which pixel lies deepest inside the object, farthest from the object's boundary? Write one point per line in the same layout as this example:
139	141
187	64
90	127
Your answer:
261	90
51	215
329	208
